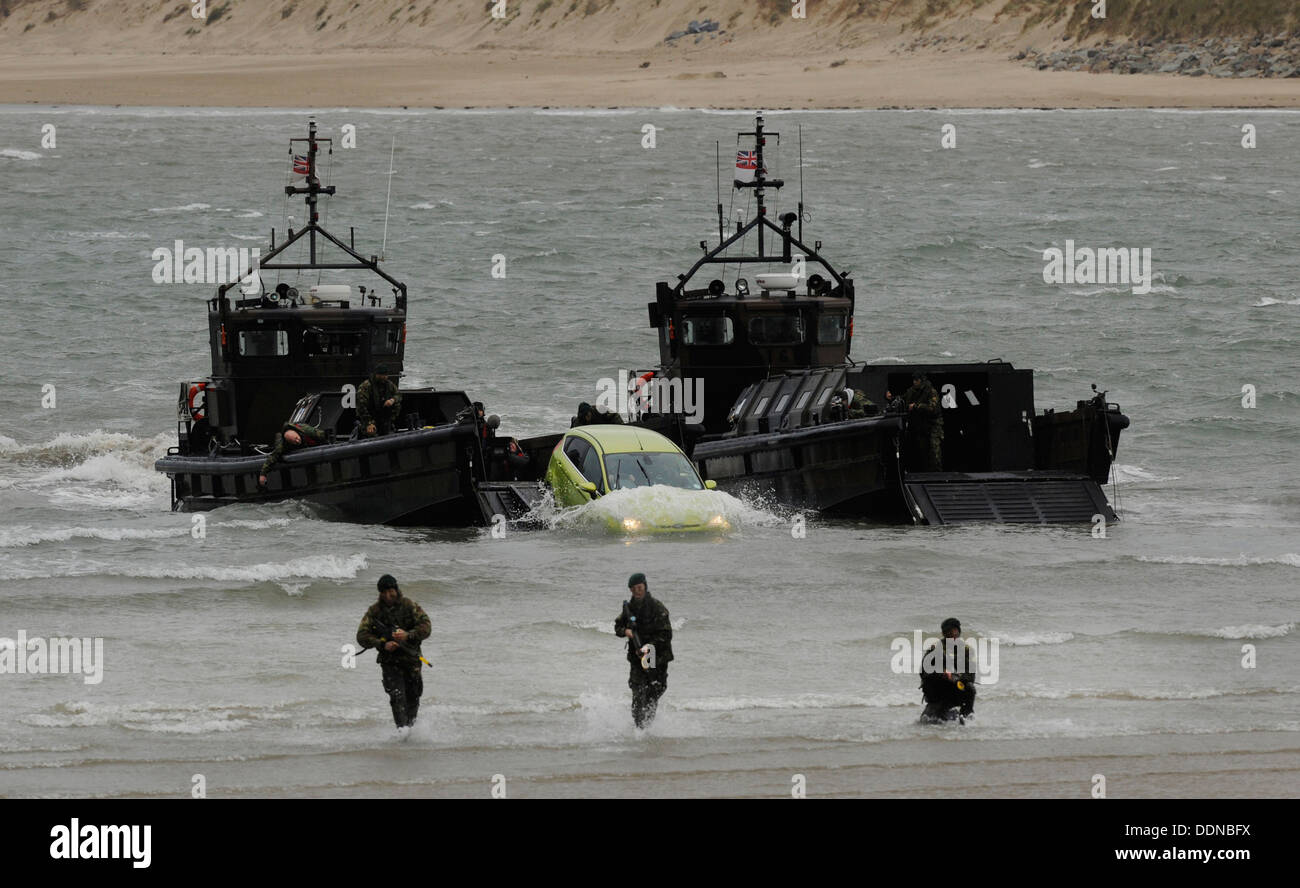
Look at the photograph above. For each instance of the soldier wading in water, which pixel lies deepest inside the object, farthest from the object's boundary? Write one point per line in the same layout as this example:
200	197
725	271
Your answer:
396	625
644	623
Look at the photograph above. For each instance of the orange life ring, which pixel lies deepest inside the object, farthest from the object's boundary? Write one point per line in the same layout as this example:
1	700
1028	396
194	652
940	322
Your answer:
196	410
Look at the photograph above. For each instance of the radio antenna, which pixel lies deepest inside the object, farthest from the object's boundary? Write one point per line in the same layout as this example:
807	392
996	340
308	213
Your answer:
383	249
717	175
801	181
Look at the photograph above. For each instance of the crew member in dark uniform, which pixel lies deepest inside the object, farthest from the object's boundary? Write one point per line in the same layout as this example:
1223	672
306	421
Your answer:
645	620
395	626
948	676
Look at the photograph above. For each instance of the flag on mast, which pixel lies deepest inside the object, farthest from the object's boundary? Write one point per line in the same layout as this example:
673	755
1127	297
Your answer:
746	165
300	165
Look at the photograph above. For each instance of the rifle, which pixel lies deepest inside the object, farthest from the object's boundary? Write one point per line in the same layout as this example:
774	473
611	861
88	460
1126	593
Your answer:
401	645
636	637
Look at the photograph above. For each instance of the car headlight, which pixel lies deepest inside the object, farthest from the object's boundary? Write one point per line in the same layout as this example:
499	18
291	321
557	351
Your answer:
631	524
720	522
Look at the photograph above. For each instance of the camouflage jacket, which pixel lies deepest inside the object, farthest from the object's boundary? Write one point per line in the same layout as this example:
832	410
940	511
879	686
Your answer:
927	413
652	627
371	396
857	408
381	619
311	436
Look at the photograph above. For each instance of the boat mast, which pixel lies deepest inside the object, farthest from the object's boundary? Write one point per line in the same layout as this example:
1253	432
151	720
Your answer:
312	190
313	187
760	178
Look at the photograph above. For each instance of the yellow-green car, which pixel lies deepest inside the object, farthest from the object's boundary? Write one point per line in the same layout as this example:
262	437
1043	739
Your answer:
642	480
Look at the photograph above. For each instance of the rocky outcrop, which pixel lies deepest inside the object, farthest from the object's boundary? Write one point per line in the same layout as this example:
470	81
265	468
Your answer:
1275	56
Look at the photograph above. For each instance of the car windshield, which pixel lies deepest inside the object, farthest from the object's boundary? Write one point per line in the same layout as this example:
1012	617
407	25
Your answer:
629	470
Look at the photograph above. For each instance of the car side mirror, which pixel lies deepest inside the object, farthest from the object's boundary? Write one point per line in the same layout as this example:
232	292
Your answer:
710	485
587	486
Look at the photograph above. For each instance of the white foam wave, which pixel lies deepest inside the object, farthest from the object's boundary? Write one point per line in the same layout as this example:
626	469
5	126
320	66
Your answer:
1255	630
1290	559
28	536
157	718
800	701
657	504
607	625
67	447
311	567
108	468
317	567
1269	300
1124	694
187	208
108	235
1134	473
19	154
1027	639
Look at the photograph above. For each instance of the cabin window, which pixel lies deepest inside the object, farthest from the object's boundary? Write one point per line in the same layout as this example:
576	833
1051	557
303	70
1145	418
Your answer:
263	343
708	330
780	405
803	400
385	338
830	329
334	343
776	330
821	399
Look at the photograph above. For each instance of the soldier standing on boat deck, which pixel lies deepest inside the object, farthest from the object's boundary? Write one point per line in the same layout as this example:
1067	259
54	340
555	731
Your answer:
395	626
645	620
925	424
378	403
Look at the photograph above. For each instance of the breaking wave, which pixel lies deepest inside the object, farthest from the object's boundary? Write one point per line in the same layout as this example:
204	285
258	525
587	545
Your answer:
1289	559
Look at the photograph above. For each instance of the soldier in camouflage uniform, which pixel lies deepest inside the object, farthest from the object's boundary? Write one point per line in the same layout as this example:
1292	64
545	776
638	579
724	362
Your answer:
291	436
647	618
925	425
378	403
857	404
396	625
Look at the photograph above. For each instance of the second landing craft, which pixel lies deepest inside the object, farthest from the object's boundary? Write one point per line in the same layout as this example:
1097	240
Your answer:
774	359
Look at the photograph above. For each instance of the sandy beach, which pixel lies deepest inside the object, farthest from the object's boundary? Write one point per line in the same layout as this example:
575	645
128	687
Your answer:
453	54
417	80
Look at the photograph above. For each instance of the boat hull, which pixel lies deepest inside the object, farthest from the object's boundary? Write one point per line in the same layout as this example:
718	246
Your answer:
844	468
418	477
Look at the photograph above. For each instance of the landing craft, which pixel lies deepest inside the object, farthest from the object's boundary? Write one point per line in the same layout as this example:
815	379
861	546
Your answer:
773	358
284	355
